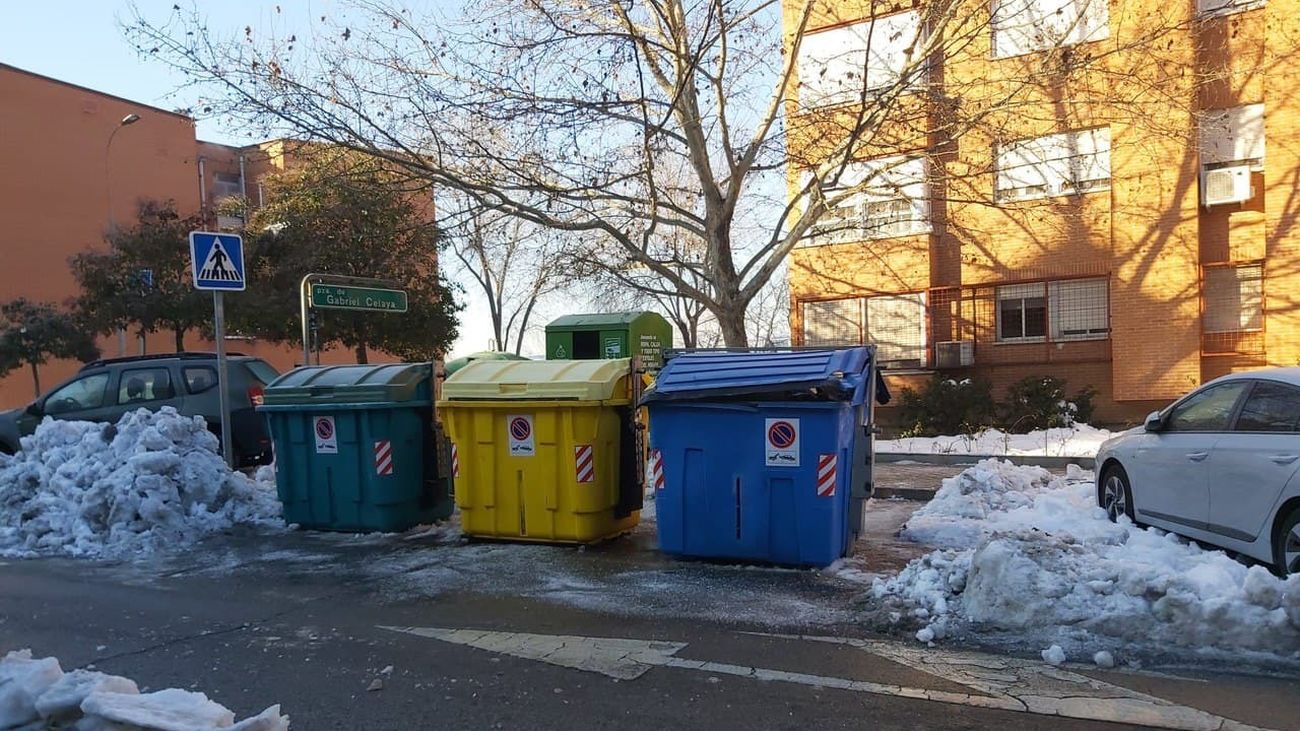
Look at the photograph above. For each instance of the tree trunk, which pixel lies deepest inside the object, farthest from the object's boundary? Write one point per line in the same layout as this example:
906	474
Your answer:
688	330
523	326
732	324
362	357
499	343
36	379
180	339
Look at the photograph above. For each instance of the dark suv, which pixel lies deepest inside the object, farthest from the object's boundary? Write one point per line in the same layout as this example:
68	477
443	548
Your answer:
106	389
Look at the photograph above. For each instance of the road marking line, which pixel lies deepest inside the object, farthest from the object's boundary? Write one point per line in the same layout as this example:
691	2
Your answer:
1041	688
1010	684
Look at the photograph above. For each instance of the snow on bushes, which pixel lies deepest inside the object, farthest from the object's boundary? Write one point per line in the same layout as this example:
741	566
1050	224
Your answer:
154	479
37	694
1025	552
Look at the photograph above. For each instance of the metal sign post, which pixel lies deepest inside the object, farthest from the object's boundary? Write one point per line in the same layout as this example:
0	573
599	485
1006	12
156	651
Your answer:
217	261
343	293
219	327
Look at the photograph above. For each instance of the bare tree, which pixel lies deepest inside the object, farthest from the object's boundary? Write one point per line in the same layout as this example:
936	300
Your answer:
514	263
768	316
579	115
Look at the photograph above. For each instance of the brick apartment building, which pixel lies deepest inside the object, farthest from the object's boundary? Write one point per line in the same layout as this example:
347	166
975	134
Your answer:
72	166
1140	249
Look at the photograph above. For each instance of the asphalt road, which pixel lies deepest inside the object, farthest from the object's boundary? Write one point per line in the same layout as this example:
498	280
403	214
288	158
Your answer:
311	621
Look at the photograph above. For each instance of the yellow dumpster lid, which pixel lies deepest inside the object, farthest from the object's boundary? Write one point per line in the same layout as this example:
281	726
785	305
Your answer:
583	380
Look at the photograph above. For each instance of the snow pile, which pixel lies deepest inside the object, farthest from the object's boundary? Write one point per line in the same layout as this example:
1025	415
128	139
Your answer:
37	694
1080	440
154	479
1026	552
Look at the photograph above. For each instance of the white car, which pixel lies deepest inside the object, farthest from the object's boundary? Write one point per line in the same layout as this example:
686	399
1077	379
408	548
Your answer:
1219	466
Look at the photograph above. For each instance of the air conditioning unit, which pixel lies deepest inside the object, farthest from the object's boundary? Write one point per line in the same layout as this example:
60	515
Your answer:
1226	185
954	354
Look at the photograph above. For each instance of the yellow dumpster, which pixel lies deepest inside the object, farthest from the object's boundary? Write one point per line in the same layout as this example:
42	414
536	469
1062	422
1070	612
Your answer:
545	450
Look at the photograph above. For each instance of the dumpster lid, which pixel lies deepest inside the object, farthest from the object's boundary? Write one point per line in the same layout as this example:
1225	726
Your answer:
597	320
456	364
581	380
351	384
831	374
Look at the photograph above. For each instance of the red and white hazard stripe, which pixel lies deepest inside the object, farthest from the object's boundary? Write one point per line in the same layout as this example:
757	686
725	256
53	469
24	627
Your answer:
826	464
584	464
455	461
383	458
656	471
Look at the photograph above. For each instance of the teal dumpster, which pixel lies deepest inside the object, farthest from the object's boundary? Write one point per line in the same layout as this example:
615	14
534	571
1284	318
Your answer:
356	448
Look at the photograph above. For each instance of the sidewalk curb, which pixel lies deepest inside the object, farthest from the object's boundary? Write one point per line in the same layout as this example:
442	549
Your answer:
920	494
1086	463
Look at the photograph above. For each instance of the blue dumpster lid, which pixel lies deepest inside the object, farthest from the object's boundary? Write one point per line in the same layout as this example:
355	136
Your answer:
840	374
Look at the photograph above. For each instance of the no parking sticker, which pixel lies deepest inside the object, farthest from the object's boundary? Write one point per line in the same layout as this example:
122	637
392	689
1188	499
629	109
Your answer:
520	432
781	443
327	440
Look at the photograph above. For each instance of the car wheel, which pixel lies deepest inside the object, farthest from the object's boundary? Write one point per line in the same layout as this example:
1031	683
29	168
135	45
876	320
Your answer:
1286	545
1114	495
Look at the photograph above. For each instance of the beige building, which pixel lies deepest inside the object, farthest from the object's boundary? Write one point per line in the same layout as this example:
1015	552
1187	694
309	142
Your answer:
1130	226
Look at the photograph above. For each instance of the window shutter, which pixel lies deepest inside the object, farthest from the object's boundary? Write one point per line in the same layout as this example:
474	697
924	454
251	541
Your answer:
831	62
1233	134
896	326
1079	308
1234	299
833	322
1024	26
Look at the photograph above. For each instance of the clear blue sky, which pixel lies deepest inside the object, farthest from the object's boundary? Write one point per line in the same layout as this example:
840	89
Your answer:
81	42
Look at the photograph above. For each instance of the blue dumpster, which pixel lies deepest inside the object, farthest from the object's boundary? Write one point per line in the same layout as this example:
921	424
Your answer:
763	455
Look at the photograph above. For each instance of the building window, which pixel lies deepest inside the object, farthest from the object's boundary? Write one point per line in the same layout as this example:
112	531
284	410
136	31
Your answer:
1059	164
1022	312
226	185
1079	309
833	322
832	63
1071	309
1227	7
1233	136
1233	299
877	199
1025	26
896	326
894	323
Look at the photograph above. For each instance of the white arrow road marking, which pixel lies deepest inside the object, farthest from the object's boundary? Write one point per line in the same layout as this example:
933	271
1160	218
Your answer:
1001	683
622	659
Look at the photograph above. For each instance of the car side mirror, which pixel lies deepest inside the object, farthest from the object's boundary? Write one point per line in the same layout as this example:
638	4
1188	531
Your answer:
34	408
1154	422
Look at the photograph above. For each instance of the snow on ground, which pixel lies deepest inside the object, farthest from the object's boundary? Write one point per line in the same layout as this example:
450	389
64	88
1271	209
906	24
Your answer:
37	694
152	480
1024	554
1080	440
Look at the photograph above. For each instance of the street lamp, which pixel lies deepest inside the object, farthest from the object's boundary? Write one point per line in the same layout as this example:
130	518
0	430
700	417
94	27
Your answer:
128	120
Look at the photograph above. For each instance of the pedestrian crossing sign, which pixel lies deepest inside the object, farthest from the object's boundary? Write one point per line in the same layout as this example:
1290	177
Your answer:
217	261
